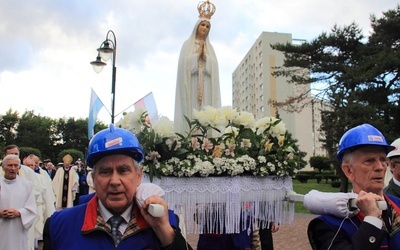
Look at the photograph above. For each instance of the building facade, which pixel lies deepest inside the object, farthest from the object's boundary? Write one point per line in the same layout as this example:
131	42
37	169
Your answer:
254	87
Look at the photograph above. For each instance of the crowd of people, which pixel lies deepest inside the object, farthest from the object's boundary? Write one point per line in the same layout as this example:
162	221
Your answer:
92	206
41	202
46	181
34	206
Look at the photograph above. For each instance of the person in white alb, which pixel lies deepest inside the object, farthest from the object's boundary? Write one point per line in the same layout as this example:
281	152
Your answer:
17	206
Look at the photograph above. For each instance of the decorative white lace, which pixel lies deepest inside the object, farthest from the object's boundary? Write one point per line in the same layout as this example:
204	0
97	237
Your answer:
215	202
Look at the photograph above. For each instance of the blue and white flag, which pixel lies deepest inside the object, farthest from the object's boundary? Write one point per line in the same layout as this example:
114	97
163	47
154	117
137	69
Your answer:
95	106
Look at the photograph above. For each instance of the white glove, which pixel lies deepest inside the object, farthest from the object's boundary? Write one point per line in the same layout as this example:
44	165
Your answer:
146	190
329	203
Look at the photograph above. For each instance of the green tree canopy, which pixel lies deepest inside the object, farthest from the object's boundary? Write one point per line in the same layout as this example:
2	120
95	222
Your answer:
320	163
356	76
76	154
43	136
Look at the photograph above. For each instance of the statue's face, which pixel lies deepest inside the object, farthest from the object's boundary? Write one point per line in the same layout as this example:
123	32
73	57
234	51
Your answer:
203	28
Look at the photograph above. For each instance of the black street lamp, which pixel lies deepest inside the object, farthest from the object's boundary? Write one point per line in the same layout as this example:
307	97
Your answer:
107	49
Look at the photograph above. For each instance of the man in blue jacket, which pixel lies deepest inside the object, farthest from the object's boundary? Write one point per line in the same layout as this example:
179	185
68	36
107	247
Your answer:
362	152
112	219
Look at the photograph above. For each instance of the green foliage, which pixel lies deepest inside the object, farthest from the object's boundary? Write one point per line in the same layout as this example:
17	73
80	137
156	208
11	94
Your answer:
357	76
25	151
8	127
76	154
303	178
35	131
320	162
46	135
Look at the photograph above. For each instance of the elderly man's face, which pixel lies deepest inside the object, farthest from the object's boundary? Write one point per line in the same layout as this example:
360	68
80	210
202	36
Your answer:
116	181
49	166
30	163
11	169
366	169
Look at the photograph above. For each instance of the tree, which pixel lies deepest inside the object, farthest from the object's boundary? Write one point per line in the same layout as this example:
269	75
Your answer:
25	151
73	133
357	76
8	127
46	136
320	163
76	154
35	131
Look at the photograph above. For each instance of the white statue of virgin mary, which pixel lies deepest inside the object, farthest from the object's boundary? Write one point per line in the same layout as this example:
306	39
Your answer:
197	82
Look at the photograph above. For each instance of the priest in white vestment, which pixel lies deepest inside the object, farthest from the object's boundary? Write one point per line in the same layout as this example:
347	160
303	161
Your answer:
45	200
17	206
65	184
26	173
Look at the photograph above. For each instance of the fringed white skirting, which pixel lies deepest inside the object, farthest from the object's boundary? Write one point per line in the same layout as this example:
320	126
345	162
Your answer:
210	204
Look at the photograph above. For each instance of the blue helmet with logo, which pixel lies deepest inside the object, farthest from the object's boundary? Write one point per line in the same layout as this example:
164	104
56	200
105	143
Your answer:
362	135
113	141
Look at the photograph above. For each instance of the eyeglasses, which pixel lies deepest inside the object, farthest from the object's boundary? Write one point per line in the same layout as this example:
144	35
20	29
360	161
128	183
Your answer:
396	162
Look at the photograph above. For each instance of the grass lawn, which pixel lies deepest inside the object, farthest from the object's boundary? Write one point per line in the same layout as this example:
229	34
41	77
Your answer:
303	188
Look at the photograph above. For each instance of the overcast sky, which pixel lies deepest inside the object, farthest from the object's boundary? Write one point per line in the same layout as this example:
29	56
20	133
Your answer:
46	46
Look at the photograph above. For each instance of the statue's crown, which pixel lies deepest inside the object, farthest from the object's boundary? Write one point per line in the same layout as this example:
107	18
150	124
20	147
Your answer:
206	9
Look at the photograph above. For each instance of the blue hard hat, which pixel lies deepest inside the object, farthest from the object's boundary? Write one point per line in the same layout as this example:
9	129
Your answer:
113	141
362	135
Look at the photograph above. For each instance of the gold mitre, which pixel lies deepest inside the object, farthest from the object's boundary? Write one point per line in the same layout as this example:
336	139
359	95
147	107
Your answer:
206	9
67	159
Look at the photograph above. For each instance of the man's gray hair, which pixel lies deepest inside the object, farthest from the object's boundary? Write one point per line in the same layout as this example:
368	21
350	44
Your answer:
10	157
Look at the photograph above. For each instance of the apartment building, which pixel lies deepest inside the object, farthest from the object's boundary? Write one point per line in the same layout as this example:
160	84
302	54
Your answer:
254	86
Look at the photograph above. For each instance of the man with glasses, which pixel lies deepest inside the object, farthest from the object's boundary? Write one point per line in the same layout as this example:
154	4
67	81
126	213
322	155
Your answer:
394	163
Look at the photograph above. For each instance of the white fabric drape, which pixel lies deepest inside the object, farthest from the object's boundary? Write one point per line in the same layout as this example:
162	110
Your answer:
229	199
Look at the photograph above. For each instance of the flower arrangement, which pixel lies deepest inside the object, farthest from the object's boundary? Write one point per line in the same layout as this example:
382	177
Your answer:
219	142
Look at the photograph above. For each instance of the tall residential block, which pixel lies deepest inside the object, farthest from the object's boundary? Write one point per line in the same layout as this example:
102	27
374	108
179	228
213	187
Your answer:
254	86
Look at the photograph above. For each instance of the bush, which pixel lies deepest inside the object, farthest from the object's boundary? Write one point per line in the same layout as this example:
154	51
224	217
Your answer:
25	151
312	174
76	154
303	178
320	163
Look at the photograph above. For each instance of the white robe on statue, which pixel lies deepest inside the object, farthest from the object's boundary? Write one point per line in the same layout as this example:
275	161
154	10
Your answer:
190	77
17	194
73	185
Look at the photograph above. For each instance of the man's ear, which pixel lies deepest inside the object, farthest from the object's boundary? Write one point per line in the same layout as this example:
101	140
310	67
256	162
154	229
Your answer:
348	171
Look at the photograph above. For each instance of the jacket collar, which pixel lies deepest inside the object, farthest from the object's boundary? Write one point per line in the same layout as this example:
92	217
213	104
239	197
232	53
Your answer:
91	215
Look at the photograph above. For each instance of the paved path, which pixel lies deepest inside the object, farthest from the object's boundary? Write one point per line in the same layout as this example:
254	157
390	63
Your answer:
289	237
